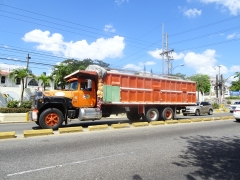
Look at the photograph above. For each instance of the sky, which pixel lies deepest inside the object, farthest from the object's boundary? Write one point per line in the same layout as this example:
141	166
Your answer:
204	35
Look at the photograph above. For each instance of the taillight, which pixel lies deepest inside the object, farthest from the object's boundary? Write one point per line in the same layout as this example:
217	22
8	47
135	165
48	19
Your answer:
236	110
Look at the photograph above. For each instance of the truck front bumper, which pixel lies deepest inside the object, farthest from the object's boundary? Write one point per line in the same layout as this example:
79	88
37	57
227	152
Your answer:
32	115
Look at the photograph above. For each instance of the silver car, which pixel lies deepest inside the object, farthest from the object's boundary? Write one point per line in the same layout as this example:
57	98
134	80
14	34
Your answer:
199	108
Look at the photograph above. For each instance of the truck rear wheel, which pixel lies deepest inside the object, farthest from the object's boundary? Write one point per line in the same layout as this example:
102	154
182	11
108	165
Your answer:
167	113
51	118
152	114
133	116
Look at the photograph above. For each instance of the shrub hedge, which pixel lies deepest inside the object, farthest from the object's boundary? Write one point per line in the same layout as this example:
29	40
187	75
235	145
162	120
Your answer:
14	110
16	107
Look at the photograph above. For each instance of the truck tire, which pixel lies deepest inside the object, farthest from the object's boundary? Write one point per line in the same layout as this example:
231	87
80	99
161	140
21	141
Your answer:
152	114
51	118
167	113
197	113
133	116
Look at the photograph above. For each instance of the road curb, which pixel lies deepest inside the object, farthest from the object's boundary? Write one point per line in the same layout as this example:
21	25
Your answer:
184	121
98	127
155	123
140	124
196	120
207	119
119	126
171	121
7	135
31	133
70	130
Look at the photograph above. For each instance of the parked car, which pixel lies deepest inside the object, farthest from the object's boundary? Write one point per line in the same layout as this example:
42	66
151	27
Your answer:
233	106
236	113
199	108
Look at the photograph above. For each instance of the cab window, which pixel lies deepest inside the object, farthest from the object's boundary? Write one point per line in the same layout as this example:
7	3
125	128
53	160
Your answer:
73	85
86	85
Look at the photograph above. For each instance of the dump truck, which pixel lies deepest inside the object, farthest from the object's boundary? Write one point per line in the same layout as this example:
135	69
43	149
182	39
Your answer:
95	93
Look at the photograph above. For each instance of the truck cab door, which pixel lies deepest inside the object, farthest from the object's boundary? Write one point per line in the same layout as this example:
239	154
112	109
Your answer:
87	94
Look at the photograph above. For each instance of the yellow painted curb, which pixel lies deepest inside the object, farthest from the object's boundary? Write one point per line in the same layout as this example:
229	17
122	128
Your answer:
231	117
140	124
7	135
98	127
118	126
217	118
196	120
171	121
30	133
207	119
224	117
184	121
70	129
155	123
27	115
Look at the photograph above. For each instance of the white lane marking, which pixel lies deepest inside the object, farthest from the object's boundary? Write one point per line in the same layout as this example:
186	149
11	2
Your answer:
68	164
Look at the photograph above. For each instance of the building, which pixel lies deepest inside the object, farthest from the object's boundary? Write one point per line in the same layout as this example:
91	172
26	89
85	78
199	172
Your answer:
10	90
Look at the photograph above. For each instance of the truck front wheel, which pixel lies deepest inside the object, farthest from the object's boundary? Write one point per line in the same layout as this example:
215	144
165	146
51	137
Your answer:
51	118
168	114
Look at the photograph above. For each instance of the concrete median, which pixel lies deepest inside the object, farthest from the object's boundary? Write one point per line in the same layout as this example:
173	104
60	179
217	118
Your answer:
196	120
184	121
98	127
119	126
7	135
41	132
140	124
155	123
70	129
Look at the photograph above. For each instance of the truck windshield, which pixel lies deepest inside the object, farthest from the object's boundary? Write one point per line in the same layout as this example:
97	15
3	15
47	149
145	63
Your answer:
72	85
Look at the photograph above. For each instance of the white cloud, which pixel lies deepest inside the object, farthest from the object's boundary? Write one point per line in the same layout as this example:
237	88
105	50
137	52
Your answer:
192	13
149	63
156	54
232	36
109	28
100	49
204	63
7	67
232	5
235	69
133	67
119	2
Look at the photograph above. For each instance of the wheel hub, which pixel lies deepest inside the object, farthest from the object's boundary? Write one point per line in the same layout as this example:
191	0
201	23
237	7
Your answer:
52	119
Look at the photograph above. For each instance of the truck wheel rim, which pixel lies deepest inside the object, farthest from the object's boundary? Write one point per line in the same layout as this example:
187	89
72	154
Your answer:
168	114
153	115
51	119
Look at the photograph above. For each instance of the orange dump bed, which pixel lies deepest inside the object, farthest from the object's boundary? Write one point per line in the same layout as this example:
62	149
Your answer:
120	88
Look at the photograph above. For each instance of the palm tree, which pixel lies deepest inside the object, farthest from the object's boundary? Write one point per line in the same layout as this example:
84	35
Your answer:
45	80
22	74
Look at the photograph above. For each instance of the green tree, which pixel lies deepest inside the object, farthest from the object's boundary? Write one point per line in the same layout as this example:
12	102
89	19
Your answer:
22	74
202	83
236	84
70	65
182	76
45	80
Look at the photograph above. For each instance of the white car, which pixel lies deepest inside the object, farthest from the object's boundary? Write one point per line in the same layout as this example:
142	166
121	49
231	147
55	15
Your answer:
236	113
232	107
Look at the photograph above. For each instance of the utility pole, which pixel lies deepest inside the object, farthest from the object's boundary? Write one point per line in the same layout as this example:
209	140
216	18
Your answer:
162	48
166	53
28	57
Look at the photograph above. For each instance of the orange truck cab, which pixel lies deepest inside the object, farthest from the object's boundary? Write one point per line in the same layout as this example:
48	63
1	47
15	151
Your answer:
96	93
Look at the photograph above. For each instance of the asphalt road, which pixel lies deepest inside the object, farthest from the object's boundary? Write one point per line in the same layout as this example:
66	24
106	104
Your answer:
20	127
204	150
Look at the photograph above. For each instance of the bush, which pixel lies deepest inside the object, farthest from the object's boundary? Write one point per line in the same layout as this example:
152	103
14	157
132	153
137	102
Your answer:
215	106
228	102
26	104
14	110
12	104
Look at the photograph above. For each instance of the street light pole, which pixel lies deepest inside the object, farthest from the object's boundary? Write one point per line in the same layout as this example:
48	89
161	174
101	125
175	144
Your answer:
177	66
